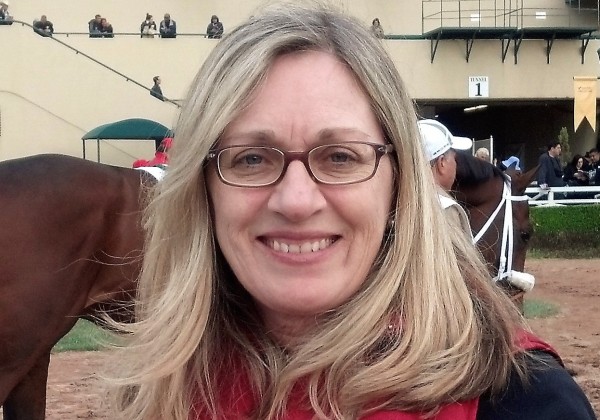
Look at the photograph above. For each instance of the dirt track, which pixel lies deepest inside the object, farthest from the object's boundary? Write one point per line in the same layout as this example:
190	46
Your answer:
74	392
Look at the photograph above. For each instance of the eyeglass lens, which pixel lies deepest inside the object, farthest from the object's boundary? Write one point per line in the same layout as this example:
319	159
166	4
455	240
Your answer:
331	164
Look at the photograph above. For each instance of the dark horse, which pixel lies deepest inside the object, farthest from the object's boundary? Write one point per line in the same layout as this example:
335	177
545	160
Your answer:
499	216
72	243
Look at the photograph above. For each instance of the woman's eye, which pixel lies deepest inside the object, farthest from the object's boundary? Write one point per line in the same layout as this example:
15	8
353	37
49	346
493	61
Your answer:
248	158
340	157
252	159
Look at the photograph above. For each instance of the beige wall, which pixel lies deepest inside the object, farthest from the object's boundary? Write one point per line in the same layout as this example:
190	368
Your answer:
50	96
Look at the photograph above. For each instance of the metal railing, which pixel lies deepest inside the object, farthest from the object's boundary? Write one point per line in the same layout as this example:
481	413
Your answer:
129	34
555	196
496	14
79	52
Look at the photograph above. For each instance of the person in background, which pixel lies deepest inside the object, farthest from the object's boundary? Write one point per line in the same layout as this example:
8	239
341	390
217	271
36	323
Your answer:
148	27
550	173
43	26
574	175
377	29
483	154
587	162
5	16
161	156
594	163
168	27
106	29
297	262
440	149
215	28
156	90
512	162
94	27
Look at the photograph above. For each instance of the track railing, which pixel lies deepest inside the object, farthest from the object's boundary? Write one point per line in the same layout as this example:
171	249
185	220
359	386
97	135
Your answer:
557	196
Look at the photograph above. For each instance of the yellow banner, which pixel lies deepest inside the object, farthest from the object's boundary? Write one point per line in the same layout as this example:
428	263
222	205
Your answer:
585	100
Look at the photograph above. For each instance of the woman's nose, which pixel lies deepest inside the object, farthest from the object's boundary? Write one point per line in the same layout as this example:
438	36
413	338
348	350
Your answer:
297	196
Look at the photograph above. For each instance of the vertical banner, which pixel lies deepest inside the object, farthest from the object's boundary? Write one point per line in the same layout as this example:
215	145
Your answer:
585	100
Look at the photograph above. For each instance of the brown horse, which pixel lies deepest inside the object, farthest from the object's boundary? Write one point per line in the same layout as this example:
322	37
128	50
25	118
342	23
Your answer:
72	244
499	216
71	240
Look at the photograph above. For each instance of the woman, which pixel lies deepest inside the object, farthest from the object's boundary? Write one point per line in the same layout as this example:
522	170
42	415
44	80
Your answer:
106	29
214	28
296	264
377	29
148	27
574	174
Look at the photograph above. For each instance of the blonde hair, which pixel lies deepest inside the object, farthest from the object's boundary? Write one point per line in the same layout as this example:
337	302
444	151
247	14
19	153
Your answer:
427	328
482	153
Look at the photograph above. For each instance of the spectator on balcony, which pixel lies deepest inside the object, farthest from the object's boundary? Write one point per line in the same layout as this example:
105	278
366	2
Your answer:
106	29
377	29
94	27
148	27
168	27
5	17
43	26
215	28
156	91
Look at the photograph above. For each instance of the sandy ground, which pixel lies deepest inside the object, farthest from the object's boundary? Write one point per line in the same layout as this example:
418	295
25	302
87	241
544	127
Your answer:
74	392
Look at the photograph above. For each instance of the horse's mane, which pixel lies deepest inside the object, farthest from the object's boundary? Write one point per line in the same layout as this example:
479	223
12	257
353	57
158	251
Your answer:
471	170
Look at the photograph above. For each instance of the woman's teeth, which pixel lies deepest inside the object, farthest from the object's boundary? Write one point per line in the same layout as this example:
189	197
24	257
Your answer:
303	248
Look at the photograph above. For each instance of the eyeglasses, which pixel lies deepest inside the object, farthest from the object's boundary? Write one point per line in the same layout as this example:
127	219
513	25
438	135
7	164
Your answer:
331	164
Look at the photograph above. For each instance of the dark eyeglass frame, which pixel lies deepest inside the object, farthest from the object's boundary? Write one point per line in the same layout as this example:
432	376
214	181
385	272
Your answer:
289	157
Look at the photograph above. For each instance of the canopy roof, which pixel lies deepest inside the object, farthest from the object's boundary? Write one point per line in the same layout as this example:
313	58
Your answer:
130	129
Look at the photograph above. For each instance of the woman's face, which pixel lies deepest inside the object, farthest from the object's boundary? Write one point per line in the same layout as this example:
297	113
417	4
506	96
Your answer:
298	247
579	163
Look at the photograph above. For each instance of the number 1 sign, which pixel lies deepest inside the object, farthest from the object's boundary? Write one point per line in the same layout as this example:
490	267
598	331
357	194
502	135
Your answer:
479	87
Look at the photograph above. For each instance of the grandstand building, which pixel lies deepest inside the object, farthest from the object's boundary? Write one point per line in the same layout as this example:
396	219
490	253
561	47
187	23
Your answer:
486	68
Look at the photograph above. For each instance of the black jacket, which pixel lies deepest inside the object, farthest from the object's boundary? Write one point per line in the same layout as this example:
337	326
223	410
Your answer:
550	171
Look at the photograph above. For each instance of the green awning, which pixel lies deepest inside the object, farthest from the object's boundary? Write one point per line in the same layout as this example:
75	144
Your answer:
130	129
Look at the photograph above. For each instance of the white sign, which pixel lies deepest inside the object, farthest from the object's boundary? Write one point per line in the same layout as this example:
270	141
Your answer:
479	87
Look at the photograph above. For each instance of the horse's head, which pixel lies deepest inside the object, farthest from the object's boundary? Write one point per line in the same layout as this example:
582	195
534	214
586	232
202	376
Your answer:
499	215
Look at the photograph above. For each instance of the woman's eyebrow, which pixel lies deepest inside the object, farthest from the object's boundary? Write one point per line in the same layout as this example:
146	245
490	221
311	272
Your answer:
269	138
338	133
251	137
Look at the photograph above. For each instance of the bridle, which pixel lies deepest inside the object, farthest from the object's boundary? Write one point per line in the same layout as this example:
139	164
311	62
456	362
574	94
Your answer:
523	281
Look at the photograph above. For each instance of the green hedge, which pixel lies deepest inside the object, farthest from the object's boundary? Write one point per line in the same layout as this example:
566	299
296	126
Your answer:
566	231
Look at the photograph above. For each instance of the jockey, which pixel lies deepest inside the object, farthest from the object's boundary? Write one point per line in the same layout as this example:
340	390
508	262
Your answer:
161	157
512	162
440	148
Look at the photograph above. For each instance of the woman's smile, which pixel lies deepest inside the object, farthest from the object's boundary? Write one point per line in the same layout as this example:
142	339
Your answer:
299	248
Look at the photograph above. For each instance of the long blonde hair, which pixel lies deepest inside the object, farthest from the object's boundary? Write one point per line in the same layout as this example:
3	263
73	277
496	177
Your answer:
427	328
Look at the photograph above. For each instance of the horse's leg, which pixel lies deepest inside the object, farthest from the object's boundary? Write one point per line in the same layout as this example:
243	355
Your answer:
27	400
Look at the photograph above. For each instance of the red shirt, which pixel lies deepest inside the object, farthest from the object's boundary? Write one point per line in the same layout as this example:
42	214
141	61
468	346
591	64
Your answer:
240	401
160	158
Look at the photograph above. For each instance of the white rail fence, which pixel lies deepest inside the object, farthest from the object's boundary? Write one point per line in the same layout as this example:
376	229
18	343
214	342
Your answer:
555	196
